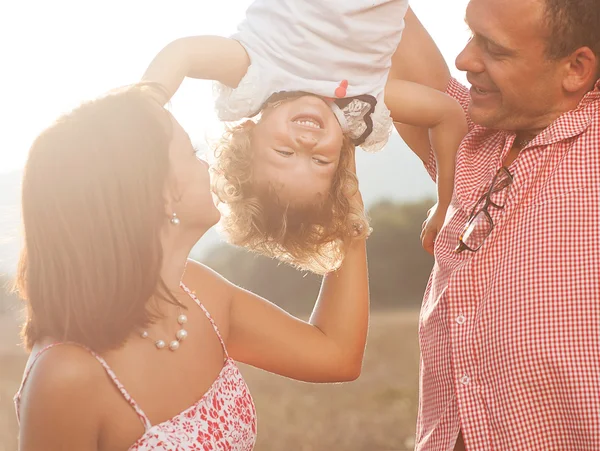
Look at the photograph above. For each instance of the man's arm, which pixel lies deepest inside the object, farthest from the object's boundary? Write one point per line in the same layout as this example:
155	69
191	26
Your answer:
419	60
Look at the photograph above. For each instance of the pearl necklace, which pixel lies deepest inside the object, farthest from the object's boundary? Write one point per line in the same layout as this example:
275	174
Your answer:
180	335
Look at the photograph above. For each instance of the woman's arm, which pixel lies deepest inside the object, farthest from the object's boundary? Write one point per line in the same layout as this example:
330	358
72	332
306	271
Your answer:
327	348
203	57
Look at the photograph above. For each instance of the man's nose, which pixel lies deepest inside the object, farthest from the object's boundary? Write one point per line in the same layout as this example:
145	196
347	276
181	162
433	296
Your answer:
469	60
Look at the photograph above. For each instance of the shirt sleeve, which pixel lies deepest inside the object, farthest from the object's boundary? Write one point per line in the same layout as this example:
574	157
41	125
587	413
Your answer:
460	93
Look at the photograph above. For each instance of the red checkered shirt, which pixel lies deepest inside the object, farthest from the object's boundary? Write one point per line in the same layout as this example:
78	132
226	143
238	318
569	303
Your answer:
510	334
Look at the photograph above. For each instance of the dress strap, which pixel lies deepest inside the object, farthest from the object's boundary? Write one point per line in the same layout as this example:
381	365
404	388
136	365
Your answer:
192	295
142	416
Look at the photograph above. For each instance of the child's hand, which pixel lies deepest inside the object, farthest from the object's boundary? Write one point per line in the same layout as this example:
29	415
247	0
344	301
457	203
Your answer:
431	227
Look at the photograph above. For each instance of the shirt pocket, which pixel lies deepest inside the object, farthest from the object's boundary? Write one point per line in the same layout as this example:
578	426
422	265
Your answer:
580	196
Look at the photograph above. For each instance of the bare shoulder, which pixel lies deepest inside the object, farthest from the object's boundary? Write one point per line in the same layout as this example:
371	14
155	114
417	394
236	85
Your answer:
64	372
212	289
198	273
61	400
65	368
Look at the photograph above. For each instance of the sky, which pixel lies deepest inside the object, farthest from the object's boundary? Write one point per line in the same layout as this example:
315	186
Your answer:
56	54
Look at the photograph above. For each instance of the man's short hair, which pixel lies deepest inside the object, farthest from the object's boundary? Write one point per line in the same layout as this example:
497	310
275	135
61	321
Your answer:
572	24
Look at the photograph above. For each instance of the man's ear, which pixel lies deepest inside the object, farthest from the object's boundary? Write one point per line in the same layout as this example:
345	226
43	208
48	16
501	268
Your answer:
581	70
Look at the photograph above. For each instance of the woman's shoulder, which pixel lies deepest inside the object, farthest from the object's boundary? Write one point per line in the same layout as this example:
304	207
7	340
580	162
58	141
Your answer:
62	394
199	273
62	370
211	288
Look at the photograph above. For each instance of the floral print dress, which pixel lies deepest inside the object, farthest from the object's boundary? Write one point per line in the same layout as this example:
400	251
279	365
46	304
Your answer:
224	419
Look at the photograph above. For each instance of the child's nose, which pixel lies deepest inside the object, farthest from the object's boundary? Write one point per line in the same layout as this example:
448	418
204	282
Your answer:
306	142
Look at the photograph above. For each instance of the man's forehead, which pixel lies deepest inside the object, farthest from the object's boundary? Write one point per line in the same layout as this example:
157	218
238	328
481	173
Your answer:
477	10
505	22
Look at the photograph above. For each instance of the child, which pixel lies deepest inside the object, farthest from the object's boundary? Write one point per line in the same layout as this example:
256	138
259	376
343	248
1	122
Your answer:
316	71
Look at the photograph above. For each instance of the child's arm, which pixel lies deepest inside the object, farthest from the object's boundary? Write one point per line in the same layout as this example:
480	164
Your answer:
419	60
204	57
421	106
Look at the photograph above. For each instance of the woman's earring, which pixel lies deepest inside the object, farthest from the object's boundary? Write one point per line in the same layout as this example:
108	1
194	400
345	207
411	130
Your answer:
175	220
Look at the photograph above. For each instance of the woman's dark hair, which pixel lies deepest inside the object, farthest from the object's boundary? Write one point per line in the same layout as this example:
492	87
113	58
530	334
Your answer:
93	209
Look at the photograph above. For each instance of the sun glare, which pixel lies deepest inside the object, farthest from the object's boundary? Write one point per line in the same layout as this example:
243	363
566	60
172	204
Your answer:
63	52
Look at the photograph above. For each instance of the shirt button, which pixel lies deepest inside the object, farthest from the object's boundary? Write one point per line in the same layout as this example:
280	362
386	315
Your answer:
460	319
465	380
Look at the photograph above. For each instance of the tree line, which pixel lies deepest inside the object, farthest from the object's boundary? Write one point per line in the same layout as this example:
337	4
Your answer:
398	266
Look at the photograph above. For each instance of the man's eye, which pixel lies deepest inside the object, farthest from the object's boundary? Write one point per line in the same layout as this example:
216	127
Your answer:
495	53
285	153
321	162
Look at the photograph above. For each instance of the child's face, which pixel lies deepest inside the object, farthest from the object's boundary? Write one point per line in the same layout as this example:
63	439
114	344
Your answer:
297	148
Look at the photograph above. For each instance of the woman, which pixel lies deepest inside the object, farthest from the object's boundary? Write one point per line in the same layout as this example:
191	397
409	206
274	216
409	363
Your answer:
133	346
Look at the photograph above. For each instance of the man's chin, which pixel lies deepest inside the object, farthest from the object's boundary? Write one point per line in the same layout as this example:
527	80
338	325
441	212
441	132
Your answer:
484	117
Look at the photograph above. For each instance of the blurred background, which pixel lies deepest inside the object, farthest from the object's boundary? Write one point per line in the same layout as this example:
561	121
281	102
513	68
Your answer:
57	54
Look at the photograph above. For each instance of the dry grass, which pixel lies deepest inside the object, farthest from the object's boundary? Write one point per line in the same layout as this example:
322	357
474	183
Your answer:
375	413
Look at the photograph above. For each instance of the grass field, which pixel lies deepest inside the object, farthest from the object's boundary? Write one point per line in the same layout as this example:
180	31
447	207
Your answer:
375	413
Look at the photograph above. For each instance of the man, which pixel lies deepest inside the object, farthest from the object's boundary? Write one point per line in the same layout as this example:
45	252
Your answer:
510	323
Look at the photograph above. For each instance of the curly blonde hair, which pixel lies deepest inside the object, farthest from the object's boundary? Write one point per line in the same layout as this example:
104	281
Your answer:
312	236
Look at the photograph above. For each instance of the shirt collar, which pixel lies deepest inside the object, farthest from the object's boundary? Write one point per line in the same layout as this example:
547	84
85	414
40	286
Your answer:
572	123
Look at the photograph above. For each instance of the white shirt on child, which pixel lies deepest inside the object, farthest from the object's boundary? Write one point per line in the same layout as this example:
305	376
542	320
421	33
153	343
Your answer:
311	46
